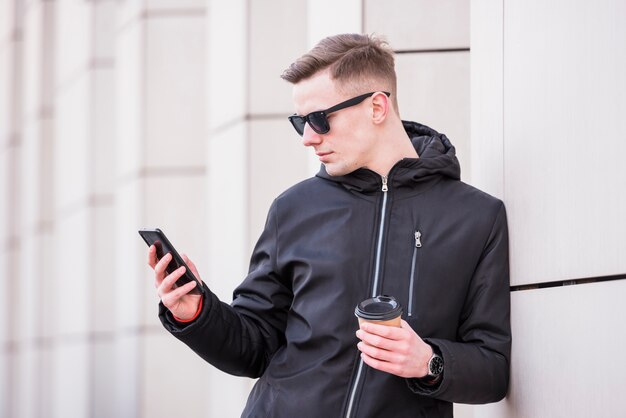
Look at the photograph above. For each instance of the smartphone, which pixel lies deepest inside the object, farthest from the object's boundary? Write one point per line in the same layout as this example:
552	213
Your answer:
163	246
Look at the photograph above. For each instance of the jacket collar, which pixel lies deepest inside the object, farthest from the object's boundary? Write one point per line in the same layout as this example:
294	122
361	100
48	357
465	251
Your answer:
437	159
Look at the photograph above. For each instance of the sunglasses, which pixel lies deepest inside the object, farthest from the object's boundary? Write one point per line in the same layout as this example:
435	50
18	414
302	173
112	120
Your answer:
318	121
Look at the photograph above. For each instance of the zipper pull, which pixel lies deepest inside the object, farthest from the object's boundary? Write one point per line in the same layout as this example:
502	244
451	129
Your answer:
418	241
385	189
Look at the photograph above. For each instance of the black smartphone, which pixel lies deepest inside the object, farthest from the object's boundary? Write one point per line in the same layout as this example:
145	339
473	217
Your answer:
163	246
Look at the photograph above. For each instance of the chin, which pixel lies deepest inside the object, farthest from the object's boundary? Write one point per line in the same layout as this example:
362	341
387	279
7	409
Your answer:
335	171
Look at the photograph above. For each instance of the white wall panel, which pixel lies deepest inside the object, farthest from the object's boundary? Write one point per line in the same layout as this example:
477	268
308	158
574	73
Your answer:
419	24
7	13
173	377
486	102
568	348
346	17
131	268
227	202
131	11
102	378
70	384
564	107
72	291
278	160
73	21
277	38
433	89
72	141
127	371
25	382
174	77
227	62
102	135
33	35
129	104
104	25
5	378
27	290
6	99
101	269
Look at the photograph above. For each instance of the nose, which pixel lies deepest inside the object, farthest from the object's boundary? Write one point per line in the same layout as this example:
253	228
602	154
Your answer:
310	137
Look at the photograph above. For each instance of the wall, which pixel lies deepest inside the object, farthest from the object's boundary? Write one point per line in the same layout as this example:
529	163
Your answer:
116	115
548	137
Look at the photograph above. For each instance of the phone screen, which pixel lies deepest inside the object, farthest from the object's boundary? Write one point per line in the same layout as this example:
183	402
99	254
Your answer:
156	237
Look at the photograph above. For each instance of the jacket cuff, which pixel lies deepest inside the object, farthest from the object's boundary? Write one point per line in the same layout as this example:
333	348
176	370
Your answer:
421	386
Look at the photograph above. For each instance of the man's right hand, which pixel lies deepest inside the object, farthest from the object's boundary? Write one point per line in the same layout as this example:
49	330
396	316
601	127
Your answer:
177	299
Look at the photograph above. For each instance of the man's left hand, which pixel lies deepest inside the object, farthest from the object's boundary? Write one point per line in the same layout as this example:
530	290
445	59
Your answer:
399	351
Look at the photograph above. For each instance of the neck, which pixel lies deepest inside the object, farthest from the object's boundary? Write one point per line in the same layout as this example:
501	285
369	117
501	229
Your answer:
395	145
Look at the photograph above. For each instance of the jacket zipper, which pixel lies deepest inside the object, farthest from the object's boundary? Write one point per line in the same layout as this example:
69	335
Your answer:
381	228
418	244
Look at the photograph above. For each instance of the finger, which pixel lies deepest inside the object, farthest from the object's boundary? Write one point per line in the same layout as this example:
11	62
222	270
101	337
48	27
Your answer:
168	282
383	366
192	266
385	331
378	354
377	341
152	259
159	269
172	297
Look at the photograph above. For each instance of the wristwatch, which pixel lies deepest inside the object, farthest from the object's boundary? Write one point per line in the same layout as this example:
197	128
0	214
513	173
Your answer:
435	366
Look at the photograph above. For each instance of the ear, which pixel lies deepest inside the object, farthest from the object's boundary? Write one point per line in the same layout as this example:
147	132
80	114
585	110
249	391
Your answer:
381	105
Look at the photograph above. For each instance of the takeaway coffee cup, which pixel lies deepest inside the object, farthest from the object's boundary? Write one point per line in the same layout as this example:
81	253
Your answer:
383	310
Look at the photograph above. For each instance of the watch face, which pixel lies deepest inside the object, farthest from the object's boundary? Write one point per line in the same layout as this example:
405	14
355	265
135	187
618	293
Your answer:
435	365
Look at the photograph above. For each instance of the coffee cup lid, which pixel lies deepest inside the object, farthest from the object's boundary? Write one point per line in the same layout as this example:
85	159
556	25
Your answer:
379	308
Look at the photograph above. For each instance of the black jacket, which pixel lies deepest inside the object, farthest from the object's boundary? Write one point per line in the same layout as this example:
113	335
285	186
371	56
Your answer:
292	321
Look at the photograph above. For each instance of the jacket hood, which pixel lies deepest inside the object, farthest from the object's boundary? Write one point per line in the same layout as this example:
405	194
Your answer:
436	159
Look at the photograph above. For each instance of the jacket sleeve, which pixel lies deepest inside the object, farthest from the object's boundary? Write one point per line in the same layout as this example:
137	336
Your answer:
476	365
241	338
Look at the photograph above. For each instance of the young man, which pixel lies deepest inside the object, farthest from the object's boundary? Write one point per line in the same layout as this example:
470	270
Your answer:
386	214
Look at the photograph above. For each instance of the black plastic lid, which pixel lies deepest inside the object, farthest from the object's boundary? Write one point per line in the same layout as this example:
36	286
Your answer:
380	308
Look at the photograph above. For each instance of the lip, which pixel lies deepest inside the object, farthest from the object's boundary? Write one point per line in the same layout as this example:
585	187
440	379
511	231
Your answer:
323	156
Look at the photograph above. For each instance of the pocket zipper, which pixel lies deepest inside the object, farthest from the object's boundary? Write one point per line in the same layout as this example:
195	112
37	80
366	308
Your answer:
418	244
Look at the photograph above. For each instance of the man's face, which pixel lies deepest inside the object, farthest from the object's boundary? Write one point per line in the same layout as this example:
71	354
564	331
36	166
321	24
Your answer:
349	144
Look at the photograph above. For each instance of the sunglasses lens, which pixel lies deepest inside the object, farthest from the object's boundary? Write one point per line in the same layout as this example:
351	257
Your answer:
318	122
298	123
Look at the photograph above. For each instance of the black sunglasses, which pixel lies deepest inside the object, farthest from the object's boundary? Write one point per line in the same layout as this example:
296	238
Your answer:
318	120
